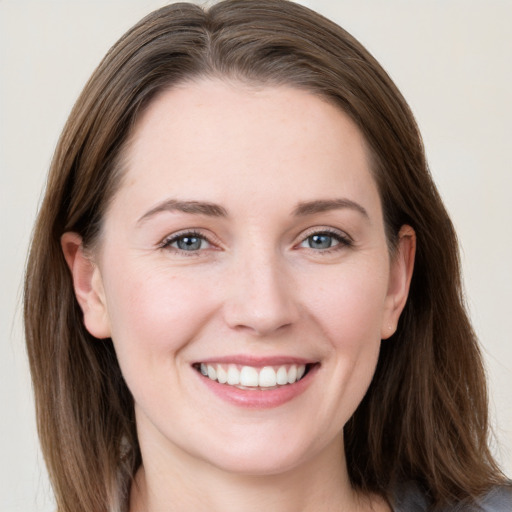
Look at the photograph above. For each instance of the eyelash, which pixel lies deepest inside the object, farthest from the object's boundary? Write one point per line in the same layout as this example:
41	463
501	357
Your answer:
167	242
342	240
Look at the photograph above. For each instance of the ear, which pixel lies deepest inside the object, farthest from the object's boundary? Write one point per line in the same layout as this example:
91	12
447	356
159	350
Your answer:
402	265
88	285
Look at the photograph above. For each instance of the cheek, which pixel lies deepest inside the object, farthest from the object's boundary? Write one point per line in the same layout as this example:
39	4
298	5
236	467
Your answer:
350	305
350	311
154	313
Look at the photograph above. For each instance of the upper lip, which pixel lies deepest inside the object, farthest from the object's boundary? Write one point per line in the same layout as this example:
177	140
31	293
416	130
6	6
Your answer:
246	360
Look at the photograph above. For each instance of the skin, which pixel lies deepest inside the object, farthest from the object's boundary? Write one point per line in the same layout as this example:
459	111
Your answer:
255	286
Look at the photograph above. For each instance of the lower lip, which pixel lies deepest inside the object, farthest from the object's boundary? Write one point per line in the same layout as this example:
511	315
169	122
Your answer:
259	398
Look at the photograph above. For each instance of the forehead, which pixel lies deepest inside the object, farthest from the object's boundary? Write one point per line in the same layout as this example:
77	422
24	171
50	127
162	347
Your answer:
222	139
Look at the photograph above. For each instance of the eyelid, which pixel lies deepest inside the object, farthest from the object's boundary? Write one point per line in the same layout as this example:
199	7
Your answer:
345	240
166	242
325	229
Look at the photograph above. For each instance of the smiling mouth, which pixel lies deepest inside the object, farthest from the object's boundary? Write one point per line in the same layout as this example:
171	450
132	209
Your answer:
253	378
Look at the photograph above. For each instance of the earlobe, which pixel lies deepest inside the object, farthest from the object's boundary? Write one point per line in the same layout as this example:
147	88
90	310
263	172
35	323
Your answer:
402	266
87	284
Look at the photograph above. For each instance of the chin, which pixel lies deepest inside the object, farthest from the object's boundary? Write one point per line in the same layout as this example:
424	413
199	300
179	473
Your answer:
264	456
258	466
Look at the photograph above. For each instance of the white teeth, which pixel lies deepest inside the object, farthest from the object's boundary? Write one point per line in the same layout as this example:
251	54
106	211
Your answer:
212	372
233	375
292	374
248	376
267	378
282	376
222	375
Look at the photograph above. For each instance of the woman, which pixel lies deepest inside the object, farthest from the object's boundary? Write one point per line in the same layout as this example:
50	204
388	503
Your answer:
243	288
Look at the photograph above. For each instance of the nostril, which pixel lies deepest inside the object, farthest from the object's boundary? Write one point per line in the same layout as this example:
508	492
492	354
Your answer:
260	296
260	319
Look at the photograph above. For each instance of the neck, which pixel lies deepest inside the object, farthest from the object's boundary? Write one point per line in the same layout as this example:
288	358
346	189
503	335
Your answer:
319	485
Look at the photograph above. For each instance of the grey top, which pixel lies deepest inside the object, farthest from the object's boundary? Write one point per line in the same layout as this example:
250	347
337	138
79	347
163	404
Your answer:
409	498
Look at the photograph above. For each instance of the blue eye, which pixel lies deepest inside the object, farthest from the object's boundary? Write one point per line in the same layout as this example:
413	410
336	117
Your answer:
188	242
325	240
321	241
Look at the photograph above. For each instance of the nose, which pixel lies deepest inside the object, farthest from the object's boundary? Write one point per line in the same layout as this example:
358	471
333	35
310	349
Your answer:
261	296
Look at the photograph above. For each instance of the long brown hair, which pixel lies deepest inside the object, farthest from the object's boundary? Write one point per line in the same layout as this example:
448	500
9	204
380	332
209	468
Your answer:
424	417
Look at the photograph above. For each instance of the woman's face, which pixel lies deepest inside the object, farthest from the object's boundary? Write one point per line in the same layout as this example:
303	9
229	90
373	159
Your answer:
246	242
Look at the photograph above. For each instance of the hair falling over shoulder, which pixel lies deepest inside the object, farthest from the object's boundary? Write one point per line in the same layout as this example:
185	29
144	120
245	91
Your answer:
424	417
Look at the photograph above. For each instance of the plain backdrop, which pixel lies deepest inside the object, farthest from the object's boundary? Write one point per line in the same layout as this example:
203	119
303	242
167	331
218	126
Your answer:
452	61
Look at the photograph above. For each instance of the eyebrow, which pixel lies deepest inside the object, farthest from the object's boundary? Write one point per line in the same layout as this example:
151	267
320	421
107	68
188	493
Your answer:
193	207
324	205
214	210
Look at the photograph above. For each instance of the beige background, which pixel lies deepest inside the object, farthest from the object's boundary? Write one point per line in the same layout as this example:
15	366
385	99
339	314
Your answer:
452	60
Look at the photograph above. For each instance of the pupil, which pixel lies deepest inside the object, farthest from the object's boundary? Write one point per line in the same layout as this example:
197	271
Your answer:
320	241
189	243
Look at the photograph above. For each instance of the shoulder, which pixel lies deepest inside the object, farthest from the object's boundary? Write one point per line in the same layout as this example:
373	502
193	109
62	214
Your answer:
498	499
411	498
